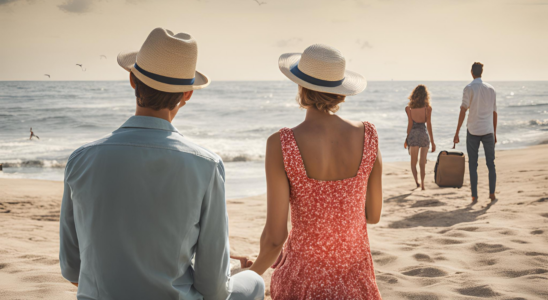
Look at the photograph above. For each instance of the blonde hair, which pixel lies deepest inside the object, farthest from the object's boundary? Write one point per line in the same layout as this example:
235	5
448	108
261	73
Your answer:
324	102
420	97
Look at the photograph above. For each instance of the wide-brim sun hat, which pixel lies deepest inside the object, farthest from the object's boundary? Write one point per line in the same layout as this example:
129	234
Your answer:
166	62
322	68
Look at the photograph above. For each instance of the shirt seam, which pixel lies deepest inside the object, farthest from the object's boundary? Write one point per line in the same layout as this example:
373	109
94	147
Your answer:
142	146
153	128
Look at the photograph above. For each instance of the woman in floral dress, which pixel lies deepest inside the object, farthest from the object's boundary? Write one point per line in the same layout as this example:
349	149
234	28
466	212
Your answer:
328	170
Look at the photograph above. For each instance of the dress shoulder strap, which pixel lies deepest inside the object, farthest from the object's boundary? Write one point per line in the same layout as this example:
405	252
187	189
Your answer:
293	162
370	148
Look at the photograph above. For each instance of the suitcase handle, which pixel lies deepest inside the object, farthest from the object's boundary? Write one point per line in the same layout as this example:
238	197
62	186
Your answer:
458	153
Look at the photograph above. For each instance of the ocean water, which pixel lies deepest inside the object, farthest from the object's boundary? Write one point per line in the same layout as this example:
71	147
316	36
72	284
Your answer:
234	119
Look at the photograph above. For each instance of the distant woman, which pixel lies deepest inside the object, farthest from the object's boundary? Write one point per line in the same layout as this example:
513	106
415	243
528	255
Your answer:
419	114
324	168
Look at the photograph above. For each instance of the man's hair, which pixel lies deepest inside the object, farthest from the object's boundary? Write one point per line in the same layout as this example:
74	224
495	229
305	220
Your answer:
154	99
324	102
477	69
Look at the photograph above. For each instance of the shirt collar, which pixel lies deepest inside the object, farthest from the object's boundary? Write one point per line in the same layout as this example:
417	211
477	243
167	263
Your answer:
149	122
477	80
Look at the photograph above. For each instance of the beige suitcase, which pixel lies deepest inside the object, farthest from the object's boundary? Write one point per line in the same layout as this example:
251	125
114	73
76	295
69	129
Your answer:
449	170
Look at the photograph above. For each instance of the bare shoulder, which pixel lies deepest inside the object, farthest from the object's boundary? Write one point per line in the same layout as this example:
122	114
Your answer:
429	109
353	124
273	143
274	153
407	109
273	139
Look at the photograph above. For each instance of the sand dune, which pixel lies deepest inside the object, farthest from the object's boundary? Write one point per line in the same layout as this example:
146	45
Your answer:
431	244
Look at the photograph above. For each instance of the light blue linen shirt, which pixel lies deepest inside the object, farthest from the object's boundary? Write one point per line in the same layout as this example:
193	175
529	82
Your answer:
138	206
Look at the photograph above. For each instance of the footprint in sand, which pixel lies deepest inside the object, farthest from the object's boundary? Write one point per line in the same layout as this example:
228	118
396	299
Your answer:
542	200
425	272
419	296
427	203
382	258
422	257
478	291
515	274
520	241
536	254
538	231
489	248
488	262
40	259
49	217
43	279
448	241
388	278
444	194
468	228
456	234
508	232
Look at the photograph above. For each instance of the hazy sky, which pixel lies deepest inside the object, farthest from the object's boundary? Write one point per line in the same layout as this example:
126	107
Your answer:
241	40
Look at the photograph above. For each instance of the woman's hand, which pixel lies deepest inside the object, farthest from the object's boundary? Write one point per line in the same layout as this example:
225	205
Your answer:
244	261
433	147
405	144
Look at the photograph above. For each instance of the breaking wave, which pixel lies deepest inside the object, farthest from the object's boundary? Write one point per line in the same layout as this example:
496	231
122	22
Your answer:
34	164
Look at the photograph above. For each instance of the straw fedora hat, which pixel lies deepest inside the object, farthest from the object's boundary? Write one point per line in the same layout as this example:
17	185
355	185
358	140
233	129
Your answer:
166	62
321	68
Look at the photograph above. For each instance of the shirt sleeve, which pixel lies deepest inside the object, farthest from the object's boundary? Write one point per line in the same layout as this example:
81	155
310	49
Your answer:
466	95
69	251
494	101
212	261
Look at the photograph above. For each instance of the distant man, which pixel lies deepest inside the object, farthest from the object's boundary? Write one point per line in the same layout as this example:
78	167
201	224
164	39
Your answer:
144	213
32	134
480	98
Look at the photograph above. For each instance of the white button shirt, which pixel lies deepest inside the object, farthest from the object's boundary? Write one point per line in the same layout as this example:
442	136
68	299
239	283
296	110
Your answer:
481	99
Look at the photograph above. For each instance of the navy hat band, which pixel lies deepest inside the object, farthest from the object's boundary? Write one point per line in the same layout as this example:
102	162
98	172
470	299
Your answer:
312	80
164	79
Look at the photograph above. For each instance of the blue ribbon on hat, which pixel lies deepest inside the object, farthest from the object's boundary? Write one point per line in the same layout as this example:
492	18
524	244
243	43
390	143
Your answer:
313	80
165	79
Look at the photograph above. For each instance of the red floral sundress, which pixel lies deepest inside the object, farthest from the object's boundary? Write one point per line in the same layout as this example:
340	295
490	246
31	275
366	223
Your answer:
327	254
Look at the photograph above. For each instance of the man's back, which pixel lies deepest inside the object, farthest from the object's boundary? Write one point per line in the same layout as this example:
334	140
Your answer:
480	98
138	205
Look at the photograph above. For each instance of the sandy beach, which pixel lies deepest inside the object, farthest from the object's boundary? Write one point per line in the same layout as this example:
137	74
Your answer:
429	244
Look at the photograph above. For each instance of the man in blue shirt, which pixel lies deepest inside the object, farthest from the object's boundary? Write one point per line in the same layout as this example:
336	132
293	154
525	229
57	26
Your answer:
144	213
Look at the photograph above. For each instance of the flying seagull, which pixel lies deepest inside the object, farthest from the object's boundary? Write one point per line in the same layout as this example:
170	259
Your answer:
47	75
82	67
260	3
102	56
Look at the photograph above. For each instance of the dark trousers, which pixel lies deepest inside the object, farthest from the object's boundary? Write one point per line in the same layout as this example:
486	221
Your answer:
472	146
